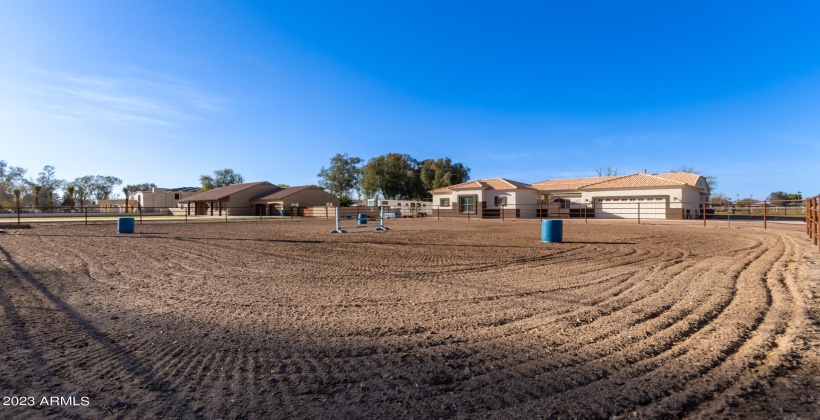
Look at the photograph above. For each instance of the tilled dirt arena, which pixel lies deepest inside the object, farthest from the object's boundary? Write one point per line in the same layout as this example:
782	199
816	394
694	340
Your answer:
432	319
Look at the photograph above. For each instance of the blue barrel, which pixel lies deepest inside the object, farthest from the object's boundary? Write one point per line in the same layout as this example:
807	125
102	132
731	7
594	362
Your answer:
362	218
552	231
125	225
283	212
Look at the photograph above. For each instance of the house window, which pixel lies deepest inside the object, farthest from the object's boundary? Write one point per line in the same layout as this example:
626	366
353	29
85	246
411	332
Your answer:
466	204
385	203
176	196
501	200
444	202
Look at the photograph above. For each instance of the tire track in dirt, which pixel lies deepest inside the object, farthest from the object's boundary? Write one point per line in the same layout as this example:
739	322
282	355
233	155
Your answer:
641	326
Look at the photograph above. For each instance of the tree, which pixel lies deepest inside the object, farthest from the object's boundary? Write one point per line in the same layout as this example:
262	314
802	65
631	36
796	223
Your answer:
11	177
125	191
607	171
711	181
221	178
342	177
49	183
48	179
97	186
70	192
784	196
145	186
441	173
392	175
37	189
720	199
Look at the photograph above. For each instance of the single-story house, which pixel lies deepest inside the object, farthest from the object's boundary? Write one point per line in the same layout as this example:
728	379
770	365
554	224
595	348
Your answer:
272	203
673	195
235	199
256	198
485	198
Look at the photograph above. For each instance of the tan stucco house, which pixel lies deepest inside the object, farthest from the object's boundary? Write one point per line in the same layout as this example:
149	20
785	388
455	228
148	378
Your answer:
672	195
160	199
485	198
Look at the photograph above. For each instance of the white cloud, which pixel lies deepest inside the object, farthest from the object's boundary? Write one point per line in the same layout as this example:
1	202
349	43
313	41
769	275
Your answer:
148	100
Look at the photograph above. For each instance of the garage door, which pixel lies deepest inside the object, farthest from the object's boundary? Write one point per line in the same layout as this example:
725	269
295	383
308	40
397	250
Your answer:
628	208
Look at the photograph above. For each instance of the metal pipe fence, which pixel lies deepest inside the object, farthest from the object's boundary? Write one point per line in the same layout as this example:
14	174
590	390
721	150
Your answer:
637	210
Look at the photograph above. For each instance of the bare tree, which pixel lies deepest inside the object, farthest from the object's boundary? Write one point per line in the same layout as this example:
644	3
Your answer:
711	181
607	171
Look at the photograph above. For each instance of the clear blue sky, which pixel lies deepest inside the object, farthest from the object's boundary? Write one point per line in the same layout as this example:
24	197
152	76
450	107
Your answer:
166	91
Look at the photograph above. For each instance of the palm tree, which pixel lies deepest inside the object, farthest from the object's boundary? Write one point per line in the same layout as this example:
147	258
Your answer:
81	196
70	191
17	197
37	189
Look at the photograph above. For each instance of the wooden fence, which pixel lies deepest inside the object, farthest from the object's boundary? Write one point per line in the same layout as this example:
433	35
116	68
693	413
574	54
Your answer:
813	219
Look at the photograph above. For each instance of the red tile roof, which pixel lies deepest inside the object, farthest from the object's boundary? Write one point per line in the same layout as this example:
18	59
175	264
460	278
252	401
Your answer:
486	184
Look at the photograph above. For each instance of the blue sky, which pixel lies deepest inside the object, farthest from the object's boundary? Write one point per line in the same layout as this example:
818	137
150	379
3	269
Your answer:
163	92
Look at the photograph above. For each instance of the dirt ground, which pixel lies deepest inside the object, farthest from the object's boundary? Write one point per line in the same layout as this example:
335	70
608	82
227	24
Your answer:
433	319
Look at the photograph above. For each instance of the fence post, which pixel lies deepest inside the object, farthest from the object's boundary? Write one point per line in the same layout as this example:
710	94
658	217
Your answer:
86	216
140	208
585	214
639	213
764	214
226	211
704	213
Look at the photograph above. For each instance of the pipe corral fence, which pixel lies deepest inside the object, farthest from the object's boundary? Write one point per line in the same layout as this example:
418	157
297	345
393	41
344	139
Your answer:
765	213
813	220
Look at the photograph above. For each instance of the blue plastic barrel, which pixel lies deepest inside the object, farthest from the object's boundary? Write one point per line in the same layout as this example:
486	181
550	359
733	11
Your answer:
125	225
362	218
552	231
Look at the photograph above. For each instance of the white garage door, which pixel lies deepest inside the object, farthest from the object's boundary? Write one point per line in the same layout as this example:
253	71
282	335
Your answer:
629	208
